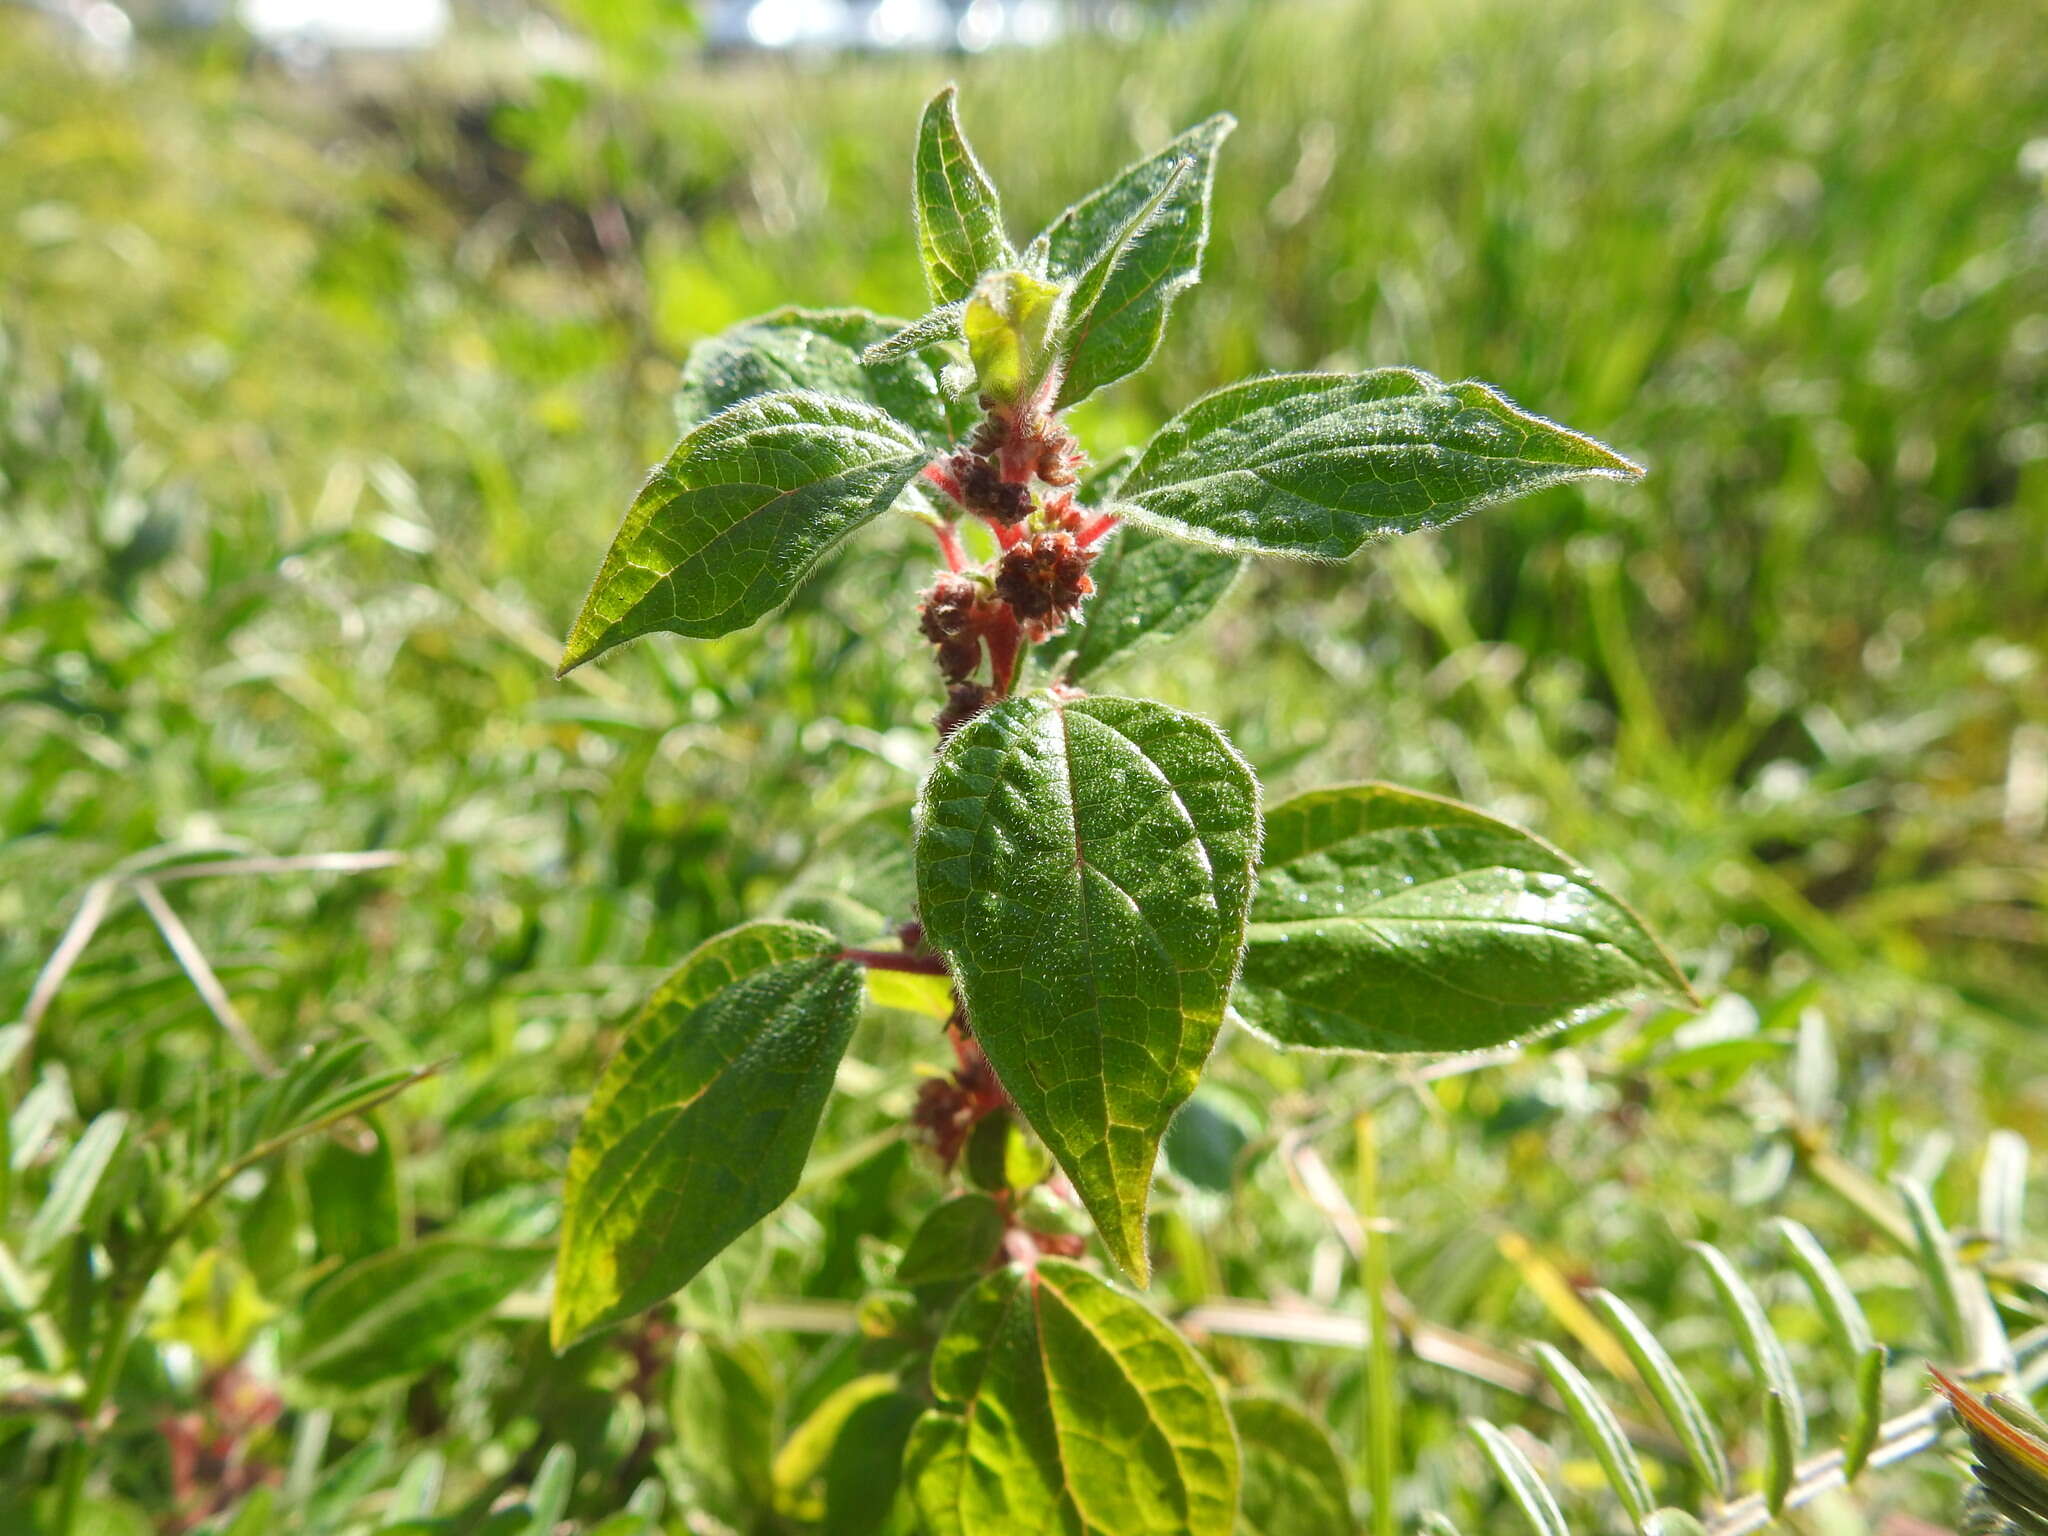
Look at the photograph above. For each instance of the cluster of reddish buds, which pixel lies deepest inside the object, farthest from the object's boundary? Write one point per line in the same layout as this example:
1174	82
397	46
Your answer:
1043	578
949	1108
1039	579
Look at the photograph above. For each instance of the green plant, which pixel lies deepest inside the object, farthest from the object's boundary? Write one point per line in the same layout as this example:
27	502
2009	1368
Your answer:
1093	884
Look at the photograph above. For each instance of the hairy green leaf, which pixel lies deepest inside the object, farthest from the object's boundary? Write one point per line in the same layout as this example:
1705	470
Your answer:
934	328
1085	865
1125	252
1067	1406
1293	1481
1315	464
959	221
827	352
1388	920
701	1123
1148	589
747	504
399	1313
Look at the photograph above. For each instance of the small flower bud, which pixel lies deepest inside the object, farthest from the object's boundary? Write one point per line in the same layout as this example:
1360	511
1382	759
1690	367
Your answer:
964	700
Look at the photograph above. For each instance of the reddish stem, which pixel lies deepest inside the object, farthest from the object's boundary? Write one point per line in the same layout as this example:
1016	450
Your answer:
1007	534
941	476
1003	639
894	960
1098	530
949	545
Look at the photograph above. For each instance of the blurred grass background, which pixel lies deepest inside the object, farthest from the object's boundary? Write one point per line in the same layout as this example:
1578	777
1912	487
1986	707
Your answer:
320	399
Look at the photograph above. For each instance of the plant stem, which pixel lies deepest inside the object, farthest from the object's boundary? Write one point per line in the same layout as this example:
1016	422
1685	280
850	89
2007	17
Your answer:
950	546
106	1371
1382	1410
895	960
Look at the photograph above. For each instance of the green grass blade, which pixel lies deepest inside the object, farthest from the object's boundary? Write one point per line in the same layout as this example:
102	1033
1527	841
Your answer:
1869	1421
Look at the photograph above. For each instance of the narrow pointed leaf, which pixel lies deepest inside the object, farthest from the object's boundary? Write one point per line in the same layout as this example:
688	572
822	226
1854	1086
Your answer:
1674	1395
1085	865
74	1184
1971	1329
1761	1346
1847	1325
826	352
1601	1430
1868	1423
1524	1486
1065	1405
1782	1431
1127	251
1315	464
744	509
937	328
2002	1187
1389	920
399	1313
701	1123
1293	1481
1148	589
959	221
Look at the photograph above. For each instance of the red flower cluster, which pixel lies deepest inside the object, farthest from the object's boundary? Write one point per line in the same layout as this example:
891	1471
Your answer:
954	616
984	492
1043	578
1028	443
948	1108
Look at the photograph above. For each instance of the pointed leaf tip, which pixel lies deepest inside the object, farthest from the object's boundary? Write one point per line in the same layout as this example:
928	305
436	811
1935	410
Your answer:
1318	464
1086	866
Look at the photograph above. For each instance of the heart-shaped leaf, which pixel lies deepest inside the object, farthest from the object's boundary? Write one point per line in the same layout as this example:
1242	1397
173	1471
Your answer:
1148	589
1067	1406
825	351
701	1123
1085	866
1317	463
959	221
746	506
1293	1481
1127	251
1388	920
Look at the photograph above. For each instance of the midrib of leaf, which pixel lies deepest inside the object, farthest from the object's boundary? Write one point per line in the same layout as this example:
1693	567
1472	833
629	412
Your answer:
1082	866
